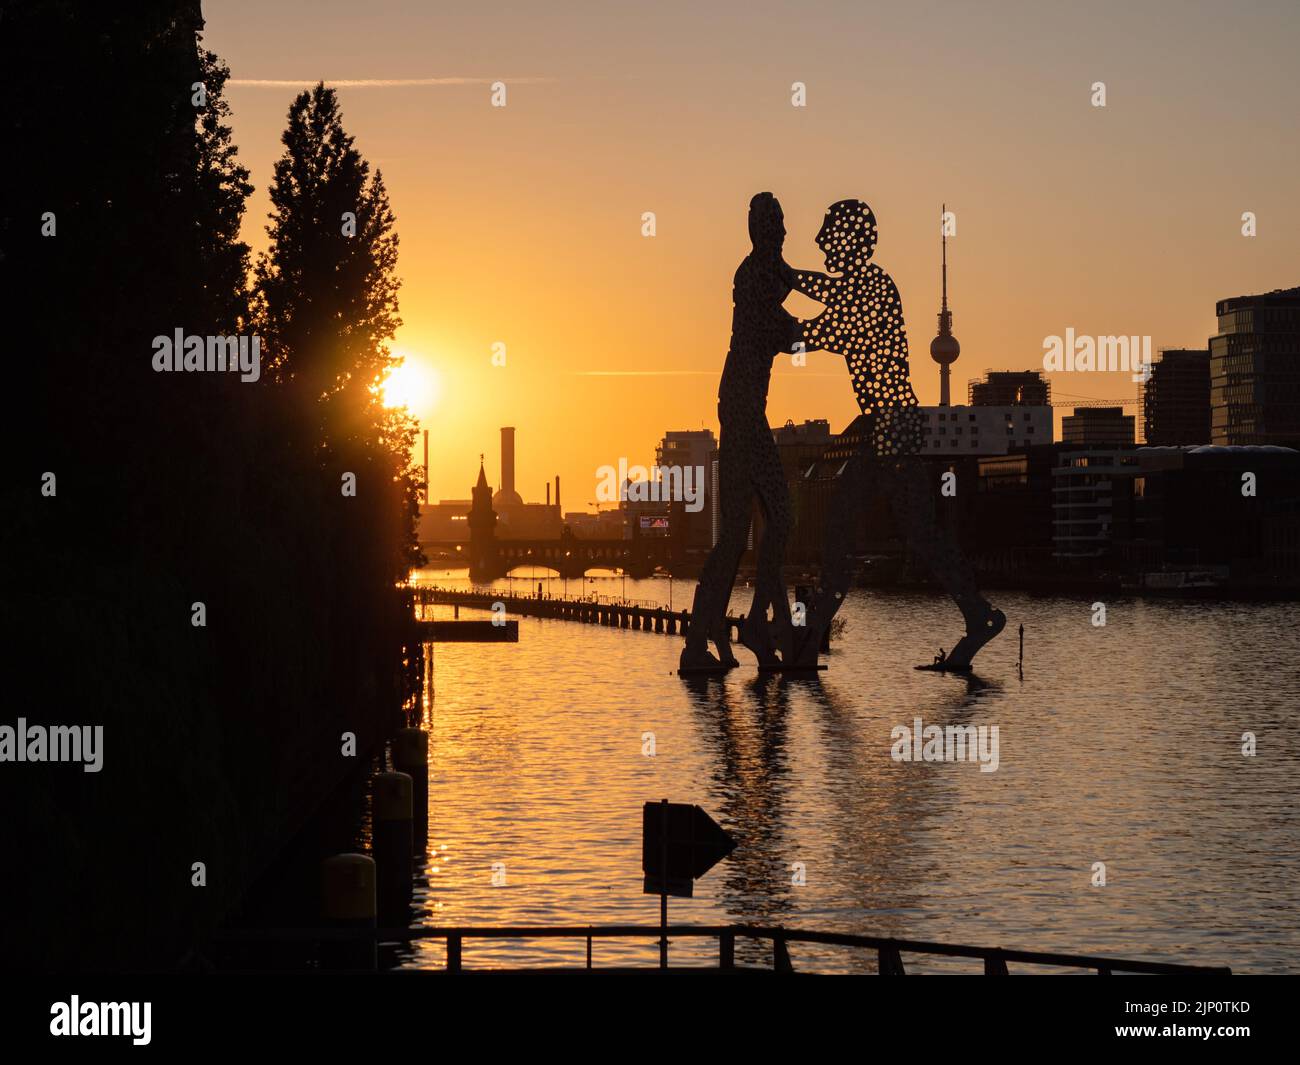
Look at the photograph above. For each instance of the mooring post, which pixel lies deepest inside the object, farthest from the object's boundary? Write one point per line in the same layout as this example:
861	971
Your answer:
411	756
663	893
348	902
392	834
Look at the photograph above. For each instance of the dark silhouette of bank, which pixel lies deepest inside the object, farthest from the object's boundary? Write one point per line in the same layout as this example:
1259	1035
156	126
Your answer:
120	214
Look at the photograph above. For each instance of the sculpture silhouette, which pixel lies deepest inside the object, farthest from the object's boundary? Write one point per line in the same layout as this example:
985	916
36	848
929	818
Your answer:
863	321
749	464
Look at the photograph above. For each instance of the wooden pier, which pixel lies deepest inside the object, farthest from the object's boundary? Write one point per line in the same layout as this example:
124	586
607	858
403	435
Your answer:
643	617
469	631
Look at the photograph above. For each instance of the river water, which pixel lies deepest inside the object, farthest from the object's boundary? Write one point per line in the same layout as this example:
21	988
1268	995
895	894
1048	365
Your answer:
1121	744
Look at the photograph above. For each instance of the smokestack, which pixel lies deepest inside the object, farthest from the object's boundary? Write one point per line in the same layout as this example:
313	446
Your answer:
557	493
548	493
508	459
426	466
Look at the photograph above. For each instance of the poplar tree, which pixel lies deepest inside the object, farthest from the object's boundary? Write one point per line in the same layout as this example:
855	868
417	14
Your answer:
326	307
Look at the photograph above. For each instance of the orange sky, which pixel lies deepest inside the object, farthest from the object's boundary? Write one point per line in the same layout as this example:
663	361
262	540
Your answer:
522	224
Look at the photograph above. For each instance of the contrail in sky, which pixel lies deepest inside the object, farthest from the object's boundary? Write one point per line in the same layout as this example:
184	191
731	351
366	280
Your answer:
374	83
681	373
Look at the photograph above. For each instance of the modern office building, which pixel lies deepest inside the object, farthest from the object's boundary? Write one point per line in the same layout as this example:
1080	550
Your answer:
1098	427
1010	530
1092	492
682	449
1191	513
686	447
1175	399
1255	370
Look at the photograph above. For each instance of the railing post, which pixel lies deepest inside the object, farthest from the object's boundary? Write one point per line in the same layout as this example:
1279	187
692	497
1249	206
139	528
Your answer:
453	953
995	964
727	950
890	963
781	956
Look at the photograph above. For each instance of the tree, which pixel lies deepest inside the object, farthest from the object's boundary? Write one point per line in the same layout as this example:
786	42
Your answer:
222	190
327	291
326	307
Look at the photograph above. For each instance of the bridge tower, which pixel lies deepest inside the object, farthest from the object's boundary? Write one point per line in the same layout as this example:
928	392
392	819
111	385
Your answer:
484	561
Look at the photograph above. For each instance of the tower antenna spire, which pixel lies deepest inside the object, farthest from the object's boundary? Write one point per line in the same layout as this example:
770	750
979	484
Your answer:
944	348
943	231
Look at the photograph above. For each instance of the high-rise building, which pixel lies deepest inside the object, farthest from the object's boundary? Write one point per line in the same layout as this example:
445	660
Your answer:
1008	388
686	447
1255	370
1098	427
1176	399
690	449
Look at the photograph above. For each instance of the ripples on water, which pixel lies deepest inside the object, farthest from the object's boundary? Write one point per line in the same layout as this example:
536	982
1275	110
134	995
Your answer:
1122	744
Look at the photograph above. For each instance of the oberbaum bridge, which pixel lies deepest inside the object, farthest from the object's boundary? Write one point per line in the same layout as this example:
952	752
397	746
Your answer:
571	557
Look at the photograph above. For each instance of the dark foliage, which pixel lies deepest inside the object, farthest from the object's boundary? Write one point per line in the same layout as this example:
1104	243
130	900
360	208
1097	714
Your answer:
175	488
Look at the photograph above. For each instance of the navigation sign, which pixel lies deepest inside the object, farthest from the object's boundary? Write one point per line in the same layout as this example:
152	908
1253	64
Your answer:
679	844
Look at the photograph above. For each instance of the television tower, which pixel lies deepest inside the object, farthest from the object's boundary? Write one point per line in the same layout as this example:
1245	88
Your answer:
944	348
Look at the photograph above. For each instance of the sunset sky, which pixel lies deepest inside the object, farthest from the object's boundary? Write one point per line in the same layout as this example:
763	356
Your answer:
523	224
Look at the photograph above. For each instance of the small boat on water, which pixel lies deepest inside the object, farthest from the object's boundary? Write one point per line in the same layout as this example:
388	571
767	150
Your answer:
1190	583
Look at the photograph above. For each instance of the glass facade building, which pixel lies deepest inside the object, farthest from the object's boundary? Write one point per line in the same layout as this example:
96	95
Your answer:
1255	370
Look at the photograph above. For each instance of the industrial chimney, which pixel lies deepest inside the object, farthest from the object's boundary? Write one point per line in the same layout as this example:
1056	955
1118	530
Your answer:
557	494
508	459
426	466
507	496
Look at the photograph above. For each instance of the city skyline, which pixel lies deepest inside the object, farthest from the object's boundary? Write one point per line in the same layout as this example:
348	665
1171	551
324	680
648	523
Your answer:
553	186
593	489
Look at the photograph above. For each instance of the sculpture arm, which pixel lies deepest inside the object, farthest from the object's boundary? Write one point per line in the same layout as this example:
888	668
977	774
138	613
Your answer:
815	332
812	284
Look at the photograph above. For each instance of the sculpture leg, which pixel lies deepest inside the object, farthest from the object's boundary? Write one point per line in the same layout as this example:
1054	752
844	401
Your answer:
713	593
842	522
913	495
760	636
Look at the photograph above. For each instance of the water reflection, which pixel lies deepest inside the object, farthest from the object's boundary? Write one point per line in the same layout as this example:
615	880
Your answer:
1118	745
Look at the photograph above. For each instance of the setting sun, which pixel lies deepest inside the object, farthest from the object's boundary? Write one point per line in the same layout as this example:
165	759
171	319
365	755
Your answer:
411	384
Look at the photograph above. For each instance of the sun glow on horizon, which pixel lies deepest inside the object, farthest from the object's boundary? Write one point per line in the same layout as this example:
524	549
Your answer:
412	384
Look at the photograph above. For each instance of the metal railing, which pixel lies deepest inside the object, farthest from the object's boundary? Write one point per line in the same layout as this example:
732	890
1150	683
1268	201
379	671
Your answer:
889	951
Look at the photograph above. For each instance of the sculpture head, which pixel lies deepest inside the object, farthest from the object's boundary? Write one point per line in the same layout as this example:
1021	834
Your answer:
847	237
766	223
